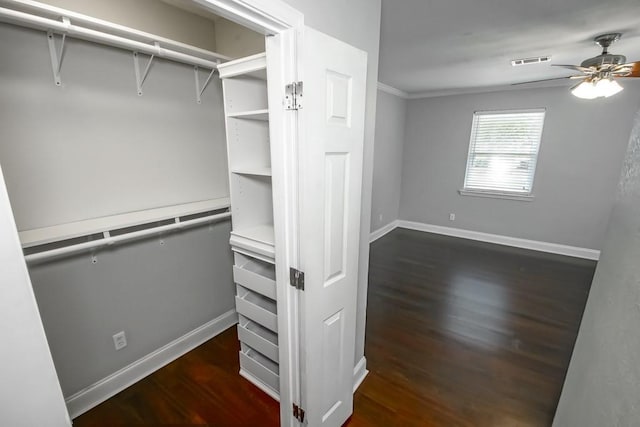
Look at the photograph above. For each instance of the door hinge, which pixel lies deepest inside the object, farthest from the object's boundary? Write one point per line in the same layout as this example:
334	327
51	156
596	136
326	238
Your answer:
296	278
298	413
293	96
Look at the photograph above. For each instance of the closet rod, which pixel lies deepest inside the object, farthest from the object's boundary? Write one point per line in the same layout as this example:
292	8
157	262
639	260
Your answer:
108	241
55	13
46	24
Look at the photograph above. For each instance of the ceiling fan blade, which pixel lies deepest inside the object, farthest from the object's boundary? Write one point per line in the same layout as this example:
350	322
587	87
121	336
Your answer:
575	67
549	80
635	69
631	69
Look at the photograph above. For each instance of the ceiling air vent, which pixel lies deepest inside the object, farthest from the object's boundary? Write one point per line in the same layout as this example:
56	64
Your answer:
527	61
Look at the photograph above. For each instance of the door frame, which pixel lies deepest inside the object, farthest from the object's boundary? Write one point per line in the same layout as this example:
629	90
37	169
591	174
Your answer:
275	17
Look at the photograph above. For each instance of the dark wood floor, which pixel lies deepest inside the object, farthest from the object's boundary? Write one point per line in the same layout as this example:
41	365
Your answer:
459	333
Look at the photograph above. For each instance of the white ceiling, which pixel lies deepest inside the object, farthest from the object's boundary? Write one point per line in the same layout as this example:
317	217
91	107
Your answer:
449	46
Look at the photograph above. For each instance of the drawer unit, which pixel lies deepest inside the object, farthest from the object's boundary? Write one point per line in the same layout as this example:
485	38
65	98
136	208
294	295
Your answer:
261	371
256	275
258	338
258	308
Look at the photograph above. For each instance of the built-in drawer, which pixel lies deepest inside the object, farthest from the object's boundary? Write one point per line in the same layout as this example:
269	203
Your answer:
262	371
256	307
259	276
259	338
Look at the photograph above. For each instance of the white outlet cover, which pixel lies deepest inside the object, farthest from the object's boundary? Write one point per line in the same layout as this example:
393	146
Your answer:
120	340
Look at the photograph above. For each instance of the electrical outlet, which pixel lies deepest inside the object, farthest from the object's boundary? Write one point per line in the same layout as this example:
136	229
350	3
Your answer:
380	218
120	340
452	217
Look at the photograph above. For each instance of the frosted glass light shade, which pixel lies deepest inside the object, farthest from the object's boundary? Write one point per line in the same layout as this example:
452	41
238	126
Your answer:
596	89
607	87
585	90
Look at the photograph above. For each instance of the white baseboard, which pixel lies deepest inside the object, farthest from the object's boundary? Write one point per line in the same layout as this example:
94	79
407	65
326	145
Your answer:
258	383
375	235
359	373
102	390
535	245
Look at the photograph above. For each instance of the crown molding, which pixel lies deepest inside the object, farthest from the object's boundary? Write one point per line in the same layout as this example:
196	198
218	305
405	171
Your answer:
393	91
486	89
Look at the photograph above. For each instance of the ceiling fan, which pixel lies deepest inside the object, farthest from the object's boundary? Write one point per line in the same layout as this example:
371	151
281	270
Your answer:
599	74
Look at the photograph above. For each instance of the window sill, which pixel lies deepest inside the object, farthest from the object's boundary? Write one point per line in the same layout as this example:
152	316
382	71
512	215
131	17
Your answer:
496	195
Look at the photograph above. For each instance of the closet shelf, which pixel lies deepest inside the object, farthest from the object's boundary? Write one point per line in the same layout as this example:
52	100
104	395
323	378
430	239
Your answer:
253	171
56	233
260	115
255	240
254	66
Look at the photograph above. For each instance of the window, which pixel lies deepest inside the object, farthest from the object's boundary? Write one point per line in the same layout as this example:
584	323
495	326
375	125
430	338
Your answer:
503	152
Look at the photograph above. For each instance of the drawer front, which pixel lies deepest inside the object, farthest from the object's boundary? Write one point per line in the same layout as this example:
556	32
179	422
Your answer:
268	378
257	342
255	282
257	314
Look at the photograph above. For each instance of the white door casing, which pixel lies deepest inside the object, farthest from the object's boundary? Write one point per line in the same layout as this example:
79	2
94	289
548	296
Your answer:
331	124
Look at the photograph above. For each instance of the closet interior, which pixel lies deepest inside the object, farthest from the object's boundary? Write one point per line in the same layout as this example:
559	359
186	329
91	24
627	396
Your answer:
126	154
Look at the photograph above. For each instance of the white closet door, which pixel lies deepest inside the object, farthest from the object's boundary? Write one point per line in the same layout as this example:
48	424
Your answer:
330	184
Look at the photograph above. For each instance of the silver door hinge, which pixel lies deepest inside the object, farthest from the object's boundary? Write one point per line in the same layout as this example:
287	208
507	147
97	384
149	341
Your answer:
298	413
296	278
293	96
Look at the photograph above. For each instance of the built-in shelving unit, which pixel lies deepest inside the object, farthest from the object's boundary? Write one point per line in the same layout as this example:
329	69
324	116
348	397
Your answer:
252	236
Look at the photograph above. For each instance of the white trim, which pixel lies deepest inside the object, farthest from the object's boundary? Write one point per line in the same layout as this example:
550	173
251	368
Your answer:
392	90
516	242
264	16
375	235
496	194
488	89
359	373
102	390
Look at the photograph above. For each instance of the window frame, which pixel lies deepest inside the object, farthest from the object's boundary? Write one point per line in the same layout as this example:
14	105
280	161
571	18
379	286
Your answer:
494	193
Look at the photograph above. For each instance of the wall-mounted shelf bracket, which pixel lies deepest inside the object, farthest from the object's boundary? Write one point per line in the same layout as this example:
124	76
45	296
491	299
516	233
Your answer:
200	90
141	76
57	55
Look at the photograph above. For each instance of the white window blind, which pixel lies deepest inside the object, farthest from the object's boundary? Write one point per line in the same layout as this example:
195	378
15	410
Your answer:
503	151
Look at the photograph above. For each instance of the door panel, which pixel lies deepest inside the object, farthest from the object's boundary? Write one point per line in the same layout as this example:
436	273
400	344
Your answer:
330	153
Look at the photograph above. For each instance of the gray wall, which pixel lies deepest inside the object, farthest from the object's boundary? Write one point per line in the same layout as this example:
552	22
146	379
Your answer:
387	168
602	387
356	22
236	41
94	148
581	153
154	293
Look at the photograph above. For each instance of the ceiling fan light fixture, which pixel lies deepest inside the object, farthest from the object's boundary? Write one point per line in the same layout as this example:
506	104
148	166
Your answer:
585	90
600	88
607	87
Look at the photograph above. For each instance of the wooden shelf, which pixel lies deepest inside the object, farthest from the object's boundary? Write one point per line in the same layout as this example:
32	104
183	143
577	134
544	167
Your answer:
260	115
56	233
254	66
255	241
253	171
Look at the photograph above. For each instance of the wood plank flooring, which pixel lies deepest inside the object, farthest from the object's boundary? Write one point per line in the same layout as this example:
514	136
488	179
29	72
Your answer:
459	333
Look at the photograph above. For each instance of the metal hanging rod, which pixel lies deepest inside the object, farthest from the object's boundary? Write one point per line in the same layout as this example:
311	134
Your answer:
117	35
109	240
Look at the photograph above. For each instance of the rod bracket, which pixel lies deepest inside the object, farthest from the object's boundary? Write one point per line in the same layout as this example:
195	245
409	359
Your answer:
141	76
57	54
200	90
